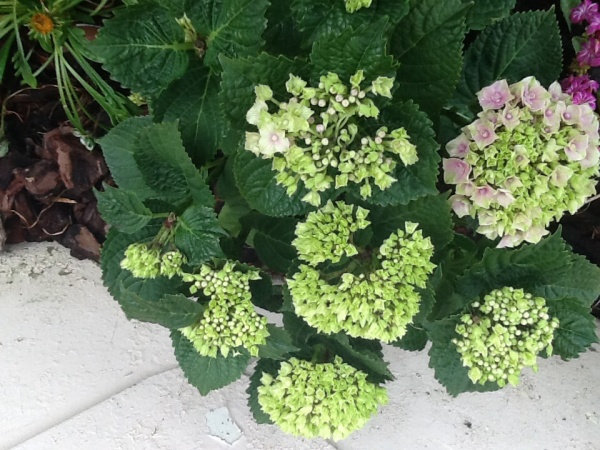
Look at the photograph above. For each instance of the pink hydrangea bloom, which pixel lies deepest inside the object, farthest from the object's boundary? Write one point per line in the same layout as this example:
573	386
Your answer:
460	205
483	196
456	171
577	148
584	12
536	97
494	96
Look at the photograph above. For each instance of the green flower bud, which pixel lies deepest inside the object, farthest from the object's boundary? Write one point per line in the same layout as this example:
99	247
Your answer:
355	5
171	263
382	86
329	400
142	261
504	334
263	93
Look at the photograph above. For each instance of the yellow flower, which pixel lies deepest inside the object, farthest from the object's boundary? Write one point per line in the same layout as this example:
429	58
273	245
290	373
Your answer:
42	23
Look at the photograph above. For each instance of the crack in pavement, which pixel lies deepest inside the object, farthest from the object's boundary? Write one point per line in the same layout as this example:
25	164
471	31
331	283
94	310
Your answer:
72	411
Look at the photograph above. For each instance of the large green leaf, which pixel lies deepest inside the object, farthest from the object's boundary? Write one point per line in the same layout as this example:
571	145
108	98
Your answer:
319	18
203	372
281	35
576	331
362	354
431	212
240	76
118	148
420	178
170	311
197	235
445	360
273	242
428	43
548	269
117	279
257	183
230	27
361	49
279	344
166	167
486	12
143	47
193	101
123	209
521	45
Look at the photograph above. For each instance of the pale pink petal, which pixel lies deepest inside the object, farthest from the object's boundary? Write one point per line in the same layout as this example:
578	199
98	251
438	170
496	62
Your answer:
460	205
504	197
577	148
458	146
510	117
535	234
495	95
483	133
535	97
561	175
571	114
455	171
592	157
512	183
483	196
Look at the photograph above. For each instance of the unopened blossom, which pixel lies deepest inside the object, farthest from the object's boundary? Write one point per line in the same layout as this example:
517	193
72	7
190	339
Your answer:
375	302
355	5
542	162
142	260
317	142
503	334
327	400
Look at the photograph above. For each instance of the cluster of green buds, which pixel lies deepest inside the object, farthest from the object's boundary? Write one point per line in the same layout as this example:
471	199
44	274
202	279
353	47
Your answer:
230	321
355	5
504	334
530	156
329	400
147	261
375	297
314	138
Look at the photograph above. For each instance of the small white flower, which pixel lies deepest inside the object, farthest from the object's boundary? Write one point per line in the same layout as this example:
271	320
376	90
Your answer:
272	140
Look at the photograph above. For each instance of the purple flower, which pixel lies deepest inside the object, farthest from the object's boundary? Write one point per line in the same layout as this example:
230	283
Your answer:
589	55
585	11
594	24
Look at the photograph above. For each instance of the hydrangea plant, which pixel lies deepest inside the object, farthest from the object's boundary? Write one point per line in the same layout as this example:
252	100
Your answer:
317	182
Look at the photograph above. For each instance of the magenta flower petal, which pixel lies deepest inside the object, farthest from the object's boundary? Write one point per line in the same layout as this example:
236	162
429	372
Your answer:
584	12
456	171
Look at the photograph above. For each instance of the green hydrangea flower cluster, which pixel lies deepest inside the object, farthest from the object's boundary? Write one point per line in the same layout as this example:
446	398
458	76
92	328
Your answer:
314	138
503	335
329	400
326	233
355	5
145	261
376	297
530	156
230	320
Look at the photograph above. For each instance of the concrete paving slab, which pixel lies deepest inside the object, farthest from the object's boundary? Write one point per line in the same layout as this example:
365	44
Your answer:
75	374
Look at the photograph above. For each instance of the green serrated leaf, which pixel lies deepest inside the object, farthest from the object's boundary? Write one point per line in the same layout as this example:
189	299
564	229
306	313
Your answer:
263	365
197	235
273	242
420	178
362	357
143	48
445	360
414	340
279	344
230	27
116	279
193	101
576	331
118	148
123	209
170	311
353	50
486	12
203	372
262	294
431	212
240	76
428	44
256	181
521	45
319	18
281	35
